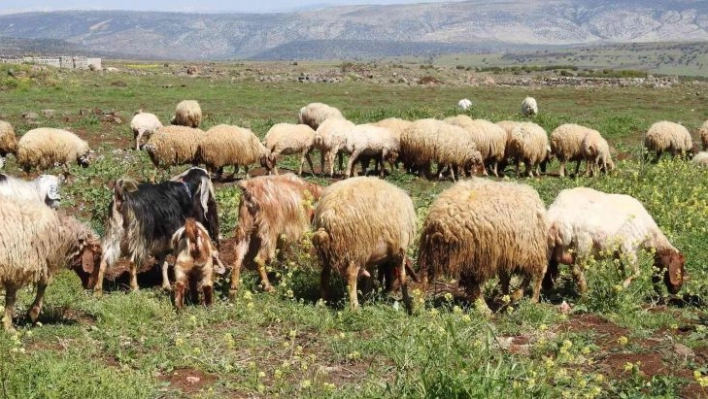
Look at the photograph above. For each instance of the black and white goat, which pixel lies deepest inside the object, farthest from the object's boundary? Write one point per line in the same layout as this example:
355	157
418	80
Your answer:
143	217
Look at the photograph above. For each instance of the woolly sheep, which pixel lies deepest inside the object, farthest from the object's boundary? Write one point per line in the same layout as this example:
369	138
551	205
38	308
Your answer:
529	107
45	189
8	141
528	143
464	104
188	113
701	159
668	136
194	263
480	228
287	139
567	145
586	223
703	134
330	136
371	141
173	145
431	140
490	139
395	125
314	114
224	145
274	213
143	124
37	241
596	152
44	147
360	223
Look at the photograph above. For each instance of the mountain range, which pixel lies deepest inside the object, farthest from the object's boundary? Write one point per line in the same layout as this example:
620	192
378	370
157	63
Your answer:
364	31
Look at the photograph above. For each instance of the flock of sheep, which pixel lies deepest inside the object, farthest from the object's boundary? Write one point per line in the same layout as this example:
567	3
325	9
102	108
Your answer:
475	230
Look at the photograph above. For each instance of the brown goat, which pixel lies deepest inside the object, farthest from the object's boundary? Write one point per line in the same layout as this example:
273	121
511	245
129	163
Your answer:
274	213
194	262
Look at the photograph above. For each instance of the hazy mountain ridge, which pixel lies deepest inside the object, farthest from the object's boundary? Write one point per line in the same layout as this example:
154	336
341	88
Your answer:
452	25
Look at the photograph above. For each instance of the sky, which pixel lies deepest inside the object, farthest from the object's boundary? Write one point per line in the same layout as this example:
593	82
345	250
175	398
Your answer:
14	6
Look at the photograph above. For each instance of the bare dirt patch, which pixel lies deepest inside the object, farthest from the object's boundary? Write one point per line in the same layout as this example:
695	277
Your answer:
189	380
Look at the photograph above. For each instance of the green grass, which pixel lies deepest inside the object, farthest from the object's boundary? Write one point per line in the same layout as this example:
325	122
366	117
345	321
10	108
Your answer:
289	344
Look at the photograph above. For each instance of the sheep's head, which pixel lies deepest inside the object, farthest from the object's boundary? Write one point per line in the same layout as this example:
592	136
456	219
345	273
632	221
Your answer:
85	259
673	262
85	159
268	161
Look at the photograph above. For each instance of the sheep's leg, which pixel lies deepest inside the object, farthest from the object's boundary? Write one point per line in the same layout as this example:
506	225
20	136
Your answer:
322	163
340	155
36	307
577	167
536	293
180	287
505	282
495	168
632	260
403	281
352	275
529	168
561	171
579	278
331	155
245	170
519	292
350	164
309	162
10	298
452	173
325	277
658	156
473	288
165	280
549	279
137	140
518	167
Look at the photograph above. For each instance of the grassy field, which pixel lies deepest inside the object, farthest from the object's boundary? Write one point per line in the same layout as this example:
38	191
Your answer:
613	343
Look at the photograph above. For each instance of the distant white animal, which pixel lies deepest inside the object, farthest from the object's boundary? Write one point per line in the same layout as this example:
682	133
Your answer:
464	104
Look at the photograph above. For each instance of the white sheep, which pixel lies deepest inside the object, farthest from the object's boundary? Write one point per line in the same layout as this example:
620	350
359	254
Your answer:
464	104
330	136
701	159
143	124
314	114
668	136
187	113
173	145
529	107
528	144
586	223
287	139
44	188
44	147
224	145
703	134
596	152
490	139
36	242
567	145
371	141
429	141
8	142
478	229
359	223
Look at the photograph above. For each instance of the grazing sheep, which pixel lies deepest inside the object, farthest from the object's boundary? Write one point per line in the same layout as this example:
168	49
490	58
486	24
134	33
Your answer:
464	104
188	113
596	152
703	134
224	145
330	136
143	217
567	145
36	242
287	139
586	223
143	124
700	159
45	189
528	143
194	263
274	214
44	147
430	140
371	142
668	136
490	139
360	223
8	142
314	114
529	107
480	228
173	145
